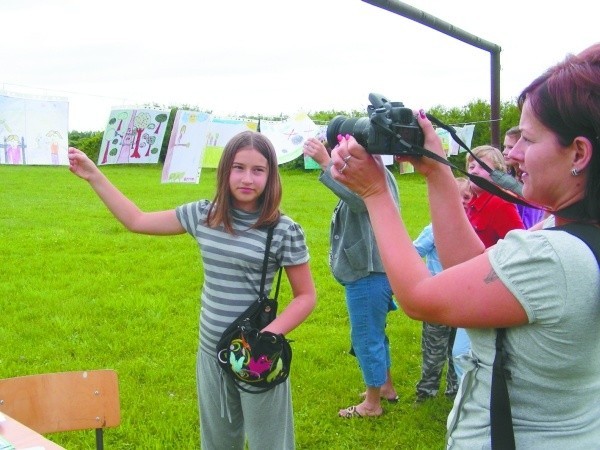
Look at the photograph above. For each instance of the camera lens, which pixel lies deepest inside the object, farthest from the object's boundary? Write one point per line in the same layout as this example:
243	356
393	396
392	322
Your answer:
333	129
354	126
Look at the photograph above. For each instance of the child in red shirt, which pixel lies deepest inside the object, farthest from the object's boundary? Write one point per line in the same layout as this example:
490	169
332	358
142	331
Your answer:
491	216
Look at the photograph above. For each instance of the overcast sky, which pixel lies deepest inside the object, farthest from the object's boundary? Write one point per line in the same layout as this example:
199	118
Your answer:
274	57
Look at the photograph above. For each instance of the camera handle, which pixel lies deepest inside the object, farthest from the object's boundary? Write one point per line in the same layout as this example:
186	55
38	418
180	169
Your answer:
504	186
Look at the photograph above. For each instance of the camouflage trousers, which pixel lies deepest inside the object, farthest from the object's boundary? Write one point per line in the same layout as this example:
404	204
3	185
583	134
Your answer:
436	350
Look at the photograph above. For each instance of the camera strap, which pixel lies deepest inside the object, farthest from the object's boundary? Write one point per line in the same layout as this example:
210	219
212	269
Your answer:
504	185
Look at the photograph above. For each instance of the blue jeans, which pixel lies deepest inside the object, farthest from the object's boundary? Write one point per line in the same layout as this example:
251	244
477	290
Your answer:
369	299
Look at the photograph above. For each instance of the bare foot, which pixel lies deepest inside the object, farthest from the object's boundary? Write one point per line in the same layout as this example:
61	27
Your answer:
391	397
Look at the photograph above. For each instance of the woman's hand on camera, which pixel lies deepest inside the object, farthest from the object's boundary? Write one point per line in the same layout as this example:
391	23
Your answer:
358	170
424	165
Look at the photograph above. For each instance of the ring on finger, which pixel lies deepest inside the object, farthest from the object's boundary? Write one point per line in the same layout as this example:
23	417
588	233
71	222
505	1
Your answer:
347	158
343	168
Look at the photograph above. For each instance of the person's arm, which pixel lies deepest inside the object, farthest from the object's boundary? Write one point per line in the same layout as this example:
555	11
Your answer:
468	295
317	151
455	238
127	212
301	305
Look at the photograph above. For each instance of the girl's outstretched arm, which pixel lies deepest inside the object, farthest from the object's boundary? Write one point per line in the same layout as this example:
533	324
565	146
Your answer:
127	212
304	301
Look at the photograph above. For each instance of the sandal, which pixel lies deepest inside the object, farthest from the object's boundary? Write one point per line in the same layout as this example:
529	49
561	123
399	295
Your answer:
352	411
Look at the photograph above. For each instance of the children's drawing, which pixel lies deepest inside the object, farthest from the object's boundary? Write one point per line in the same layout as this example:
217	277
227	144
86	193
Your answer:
33	130
219	133
450	146
289	135
186	147
133	136
465	133
54	137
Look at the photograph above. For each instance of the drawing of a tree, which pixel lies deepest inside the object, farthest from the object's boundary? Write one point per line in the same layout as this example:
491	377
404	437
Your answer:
140	123
121	116
127	141
160	118
150	140
108	132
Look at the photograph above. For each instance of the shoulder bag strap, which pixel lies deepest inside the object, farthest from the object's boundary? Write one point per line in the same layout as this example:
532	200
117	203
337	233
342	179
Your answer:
265	263
589	234
500	416
278	283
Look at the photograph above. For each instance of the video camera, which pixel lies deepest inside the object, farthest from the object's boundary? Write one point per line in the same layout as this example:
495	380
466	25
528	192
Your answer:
389	129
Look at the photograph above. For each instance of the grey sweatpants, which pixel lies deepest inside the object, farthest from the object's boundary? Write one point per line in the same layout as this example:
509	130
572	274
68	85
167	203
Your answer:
229	415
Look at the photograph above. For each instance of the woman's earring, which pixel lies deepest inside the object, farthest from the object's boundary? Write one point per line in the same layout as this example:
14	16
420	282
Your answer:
574	172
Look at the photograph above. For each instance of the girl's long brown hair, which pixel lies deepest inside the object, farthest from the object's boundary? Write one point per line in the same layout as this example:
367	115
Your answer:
268	202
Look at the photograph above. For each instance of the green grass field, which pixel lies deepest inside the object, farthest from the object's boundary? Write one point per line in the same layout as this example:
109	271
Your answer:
78	291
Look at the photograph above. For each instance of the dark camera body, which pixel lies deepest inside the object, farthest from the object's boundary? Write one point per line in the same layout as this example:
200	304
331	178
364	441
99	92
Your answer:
389	129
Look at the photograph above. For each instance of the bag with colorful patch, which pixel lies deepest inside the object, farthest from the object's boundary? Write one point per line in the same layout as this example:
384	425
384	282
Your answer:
260	359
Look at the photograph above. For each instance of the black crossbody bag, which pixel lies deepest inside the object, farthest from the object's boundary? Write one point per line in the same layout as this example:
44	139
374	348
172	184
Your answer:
502	433
259	358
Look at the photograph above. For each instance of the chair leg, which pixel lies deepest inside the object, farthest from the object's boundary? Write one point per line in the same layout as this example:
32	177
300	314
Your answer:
99	439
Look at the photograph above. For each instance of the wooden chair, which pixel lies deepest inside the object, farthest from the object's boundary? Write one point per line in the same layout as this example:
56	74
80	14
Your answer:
65	401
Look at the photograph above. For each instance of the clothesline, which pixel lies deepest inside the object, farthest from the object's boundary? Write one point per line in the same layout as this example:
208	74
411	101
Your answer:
130	102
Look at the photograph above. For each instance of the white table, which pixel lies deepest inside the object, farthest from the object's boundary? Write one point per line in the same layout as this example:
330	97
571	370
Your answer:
23	437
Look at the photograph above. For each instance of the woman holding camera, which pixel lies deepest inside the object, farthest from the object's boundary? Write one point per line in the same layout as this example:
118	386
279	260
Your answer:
542	286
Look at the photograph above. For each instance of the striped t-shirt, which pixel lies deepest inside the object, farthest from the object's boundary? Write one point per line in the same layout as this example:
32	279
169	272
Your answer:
233	264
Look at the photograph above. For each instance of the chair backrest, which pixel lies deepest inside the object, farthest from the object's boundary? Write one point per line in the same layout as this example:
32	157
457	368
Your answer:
64	401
